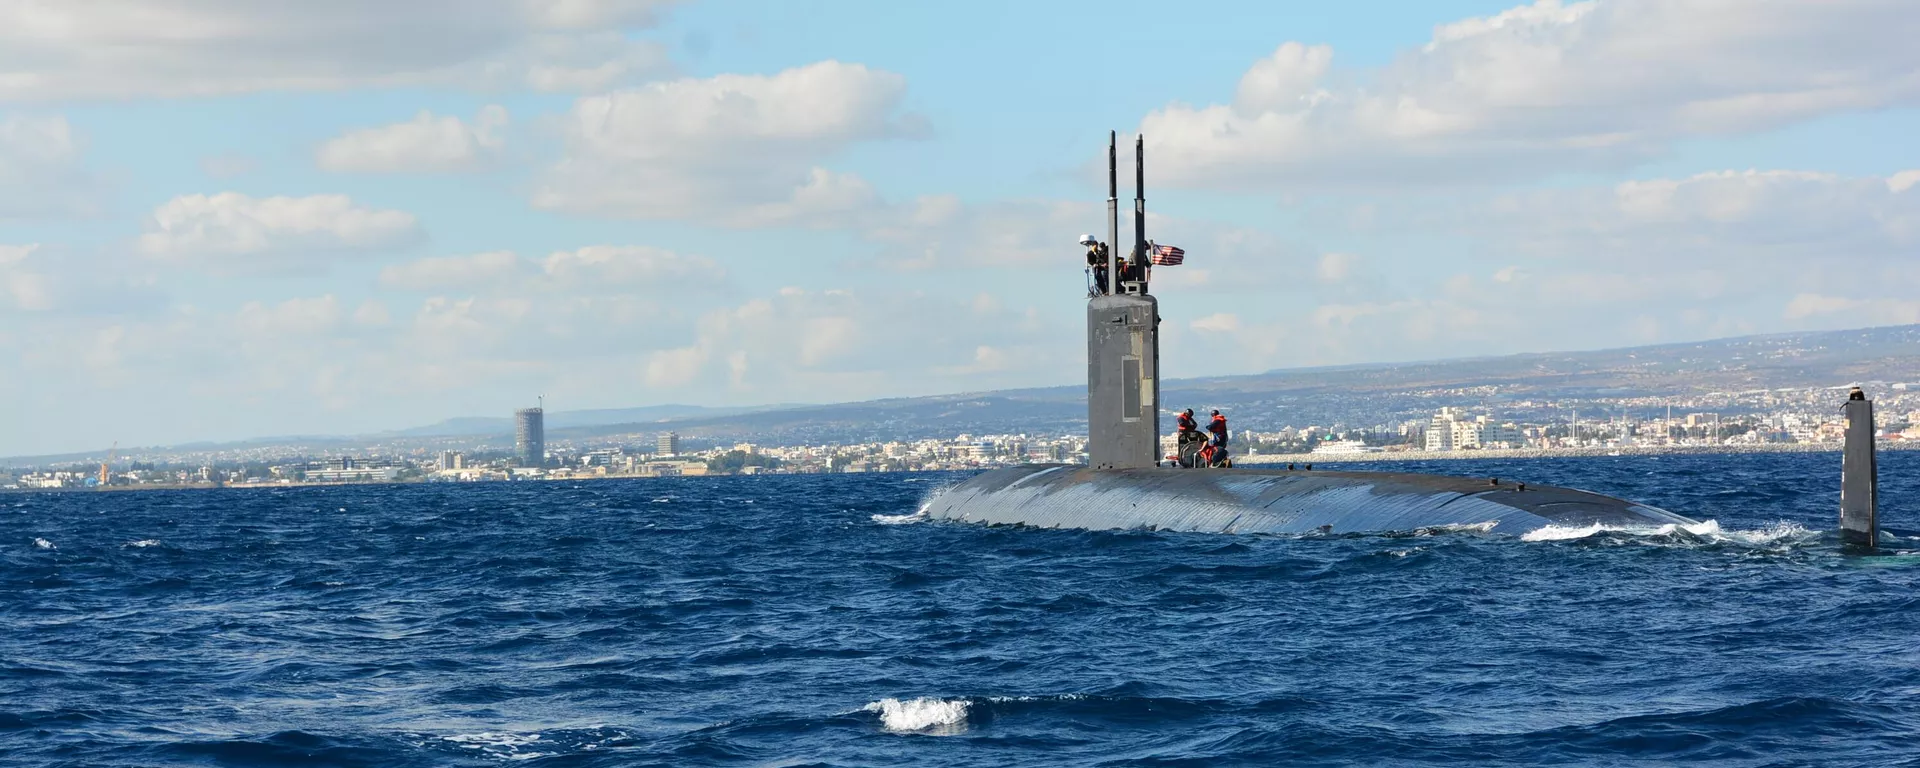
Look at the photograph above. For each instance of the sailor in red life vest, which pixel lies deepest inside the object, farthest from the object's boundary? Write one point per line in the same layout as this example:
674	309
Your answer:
1218	428
1187	436
1216	450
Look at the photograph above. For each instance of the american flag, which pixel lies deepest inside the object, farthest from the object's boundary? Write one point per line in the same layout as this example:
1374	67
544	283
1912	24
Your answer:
1167	255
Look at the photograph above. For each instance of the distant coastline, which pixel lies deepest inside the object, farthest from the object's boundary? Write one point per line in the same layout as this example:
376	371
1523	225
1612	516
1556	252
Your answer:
1260	460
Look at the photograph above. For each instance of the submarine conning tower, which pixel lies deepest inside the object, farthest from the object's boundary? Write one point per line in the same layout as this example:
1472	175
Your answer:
1123	341
1125	486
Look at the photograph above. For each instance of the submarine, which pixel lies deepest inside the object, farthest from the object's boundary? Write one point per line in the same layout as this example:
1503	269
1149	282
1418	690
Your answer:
1126	485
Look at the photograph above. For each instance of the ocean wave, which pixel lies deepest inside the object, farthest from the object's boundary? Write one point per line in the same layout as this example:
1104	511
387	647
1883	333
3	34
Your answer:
929	716
40	543
504	744
1706	531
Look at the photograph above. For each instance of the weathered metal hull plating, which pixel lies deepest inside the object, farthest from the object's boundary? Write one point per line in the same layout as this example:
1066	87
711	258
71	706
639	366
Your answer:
1274	501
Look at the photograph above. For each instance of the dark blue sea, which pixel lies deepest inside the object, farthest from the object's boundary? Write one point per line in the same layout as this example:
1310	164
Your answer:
811	620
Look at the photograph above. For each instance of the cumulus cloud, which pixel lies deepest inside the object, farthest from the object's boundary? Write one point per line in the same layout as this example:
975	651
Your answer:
597	268
22	287
837	345
1218	322
1336	267
1539	88
742	150
40	171
291	318
1729	219
454	273
1853	311
425	144
132	48
231	232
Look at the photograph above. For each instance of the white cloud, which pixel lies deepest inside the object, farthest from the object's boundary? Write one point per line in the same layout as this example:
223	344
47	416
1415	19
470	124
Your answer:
1903	181
1543	87
22	287
1743	220
741	150
589	270
40	172
840	345
1218	322
123	48
602	267
940	231
291	318
232	232
1853	311
425	144
454	273
1336	267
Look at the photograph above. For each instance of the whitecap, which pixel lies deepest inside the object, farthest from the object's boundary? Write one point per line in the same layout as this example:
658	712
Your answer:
144	543
911	517
1561	532
1708	530
512	746
938	717
43	543
1434	530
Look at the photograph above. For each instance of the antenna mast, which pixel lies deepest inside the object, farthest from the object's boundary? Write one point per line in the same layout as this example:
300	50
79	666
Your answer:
1113	212
1140	206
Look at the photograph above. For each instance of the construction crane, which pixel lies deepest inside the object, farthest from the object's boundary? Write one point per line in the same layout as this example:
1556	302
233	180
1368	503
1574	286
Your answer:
109	460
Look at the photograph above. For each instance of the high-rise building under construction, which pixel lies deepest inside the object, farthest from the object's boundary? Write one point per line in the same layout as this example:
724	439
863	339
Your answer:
530	437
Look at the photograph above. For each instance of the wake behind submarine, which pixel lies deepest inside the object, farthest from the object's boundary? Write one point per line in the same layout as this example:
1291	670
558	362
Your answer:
1125	486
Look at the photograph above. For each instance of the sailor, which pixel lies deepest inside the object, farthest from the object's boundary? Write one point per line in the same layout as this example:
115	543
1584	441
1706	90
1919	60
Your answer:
1217	440
1187	434
1097	262
1134	269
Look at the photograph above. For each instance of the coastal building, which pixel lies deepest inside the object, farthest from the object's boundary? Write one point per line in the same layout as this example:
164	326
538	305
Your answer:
530	437
668	444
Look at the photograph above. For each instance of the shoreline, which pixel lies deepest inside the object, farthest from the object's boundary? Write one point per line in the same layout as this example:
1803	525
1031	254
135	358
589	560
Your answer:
1261	460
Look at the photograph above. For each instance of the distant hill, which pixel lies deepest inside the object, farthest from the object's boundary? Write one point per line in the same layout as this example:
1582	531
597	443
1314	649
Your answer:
1356	395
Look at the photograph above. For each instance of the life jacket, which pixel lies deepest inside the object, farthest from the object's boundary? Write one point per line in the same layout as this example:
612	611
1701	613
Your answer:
1218	426
1187	424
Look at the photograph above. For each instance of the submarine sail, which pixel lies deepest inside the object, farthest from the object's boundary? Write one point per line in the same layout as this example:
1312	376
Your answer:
1124	485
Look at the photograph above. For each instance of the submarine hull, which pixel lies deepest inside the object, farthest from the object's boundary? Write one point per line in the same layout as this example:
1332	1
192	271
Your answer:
1274	501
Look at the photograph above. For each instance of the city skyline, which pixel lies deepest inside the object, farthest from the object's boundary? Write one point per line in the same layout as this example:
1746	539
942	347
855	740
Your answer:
305	219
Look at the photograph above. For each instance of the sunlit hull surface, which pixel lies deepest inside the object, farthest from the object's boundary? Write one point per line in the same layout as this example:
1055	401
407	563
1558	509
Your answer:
1275	501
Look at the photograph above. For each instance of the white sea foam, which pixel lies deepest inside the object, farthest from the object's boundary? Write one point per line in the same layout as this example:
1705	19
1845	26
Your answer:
1562	532
494	739
911	517
1486	527
1709	529
144	543
43	543
500	744
939	717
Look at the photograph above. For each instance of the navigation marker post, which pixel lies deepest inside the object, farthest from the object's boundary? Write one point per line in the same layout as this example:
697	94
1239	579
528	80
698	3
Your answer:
1859	476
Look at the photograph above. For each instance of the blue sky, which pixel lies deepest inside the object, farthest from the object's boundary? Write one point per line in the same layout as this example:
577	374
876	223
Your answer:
227	219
